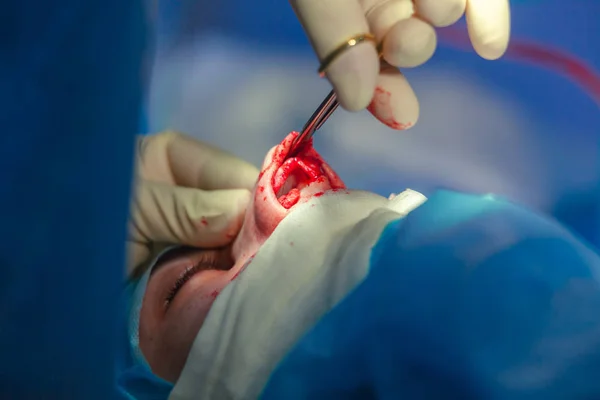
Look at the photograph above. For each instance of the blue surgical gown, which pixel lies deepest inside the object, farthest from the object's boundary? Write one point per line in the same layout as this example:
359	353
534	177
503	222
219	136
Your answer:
469	297
70	88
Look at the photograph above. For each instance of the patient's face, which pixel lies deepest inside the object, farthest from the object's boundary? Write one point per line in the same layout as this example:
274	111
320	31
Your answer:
185	282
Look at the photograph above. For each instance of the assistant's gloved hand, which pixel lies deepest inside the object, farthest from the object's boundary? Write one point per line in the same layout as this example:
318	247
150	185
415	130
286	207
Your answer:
187	192
406	30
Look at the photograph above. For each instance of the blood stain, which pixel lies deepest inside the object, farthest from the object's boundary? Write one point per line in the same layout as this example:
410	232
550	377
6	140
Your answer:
381	108
243	267
237	274
290	199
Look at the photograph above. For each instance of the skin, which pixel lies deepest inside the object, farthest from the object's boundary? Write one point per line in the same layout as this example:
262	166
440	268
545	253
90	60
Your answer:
169	324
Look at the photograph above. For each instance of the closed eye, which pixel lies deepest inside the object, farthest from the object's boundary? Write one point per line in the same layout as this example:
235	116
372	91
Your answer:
210	260
185	276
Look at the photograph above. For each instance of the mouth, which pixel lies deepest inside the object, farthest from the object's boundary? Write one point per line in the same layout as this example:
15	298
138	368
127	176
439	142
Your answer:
303	175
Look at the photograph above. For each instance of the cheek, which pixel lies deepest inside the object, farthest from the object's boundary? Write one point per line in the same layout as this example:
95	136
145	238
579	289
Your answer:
182	327
166	337
149	330
166	346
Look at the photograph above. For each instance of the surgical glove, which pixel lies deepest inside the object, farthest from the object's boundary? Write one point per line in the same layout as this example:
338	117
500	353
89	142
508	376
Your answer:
405	29
187	192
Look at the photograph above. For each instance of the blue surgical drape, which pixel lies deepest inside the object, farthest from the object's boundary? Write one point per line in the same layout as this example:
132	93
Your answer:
468	297
70	88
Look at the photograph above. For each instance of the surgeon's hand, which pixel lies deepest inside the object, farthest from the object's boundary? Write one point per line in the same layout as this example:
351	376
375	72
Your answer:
406	30
187	192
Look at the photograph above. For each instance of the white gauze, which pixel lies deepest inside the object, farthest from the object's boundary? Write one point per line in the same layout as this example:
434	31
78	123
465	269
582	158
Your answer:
317	254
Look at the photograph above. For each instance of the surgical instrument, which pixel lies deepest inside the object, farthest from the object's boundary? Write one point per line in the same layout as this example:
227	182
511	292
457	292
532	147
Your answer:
316	121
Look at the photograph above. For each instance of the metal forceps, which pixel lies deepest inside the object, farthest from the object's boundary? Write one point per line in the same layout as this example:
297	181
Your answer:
316	121
330	103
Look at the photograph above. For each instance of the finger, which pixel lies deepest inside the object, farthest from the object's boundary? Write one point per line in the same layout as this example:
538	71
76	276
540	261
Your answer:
175	158
165	213
199	165
330	23
409	43
394	104
488	22
382	15
440	13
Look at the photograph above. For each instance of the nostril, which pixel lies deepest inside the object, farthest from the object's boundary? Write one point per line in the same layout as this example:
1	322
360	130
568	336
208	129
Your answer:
290	183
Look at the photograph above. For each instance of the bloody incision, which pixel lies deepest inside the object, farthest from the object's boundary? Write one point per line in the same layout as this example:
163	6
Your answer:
285	182
303	170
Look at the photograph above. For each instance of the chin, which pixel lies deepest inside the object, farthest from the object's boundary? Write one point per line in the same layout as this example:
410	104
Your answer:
283	184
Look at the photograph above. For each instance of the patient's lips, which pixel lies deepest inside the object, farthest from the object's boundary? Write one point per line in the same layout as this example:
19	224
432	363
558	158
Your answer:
283	183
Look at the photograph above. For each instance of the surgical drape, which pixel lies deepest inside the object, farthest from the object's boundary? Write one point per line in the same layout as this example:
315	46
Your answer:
70	88
468	297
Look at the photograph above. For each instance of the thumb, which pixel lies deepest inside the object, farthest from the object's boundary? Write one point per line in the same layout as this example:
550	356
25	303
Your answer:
175	214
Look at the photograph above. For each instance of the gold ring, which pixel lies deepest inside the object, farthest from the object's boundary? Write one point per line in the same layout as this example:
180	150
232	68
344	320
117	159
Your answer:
353	41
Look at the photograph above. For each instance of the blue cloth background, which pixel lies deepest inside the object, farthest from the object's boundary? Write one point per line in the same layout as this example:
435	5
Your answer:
70	87
468	298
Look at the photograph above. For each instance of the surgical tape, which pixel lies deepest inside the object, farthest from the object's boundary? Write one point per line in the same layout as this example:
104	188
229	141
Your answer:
315	257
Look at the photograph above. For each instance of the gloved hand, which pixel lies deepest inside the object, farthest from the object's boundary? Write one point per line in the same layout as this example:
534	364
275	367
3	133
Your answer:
187	192
406	30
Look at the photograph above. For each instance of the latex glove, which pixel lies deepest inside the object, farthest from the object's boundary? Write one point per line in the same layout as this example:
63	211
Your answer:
406	28
187	192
